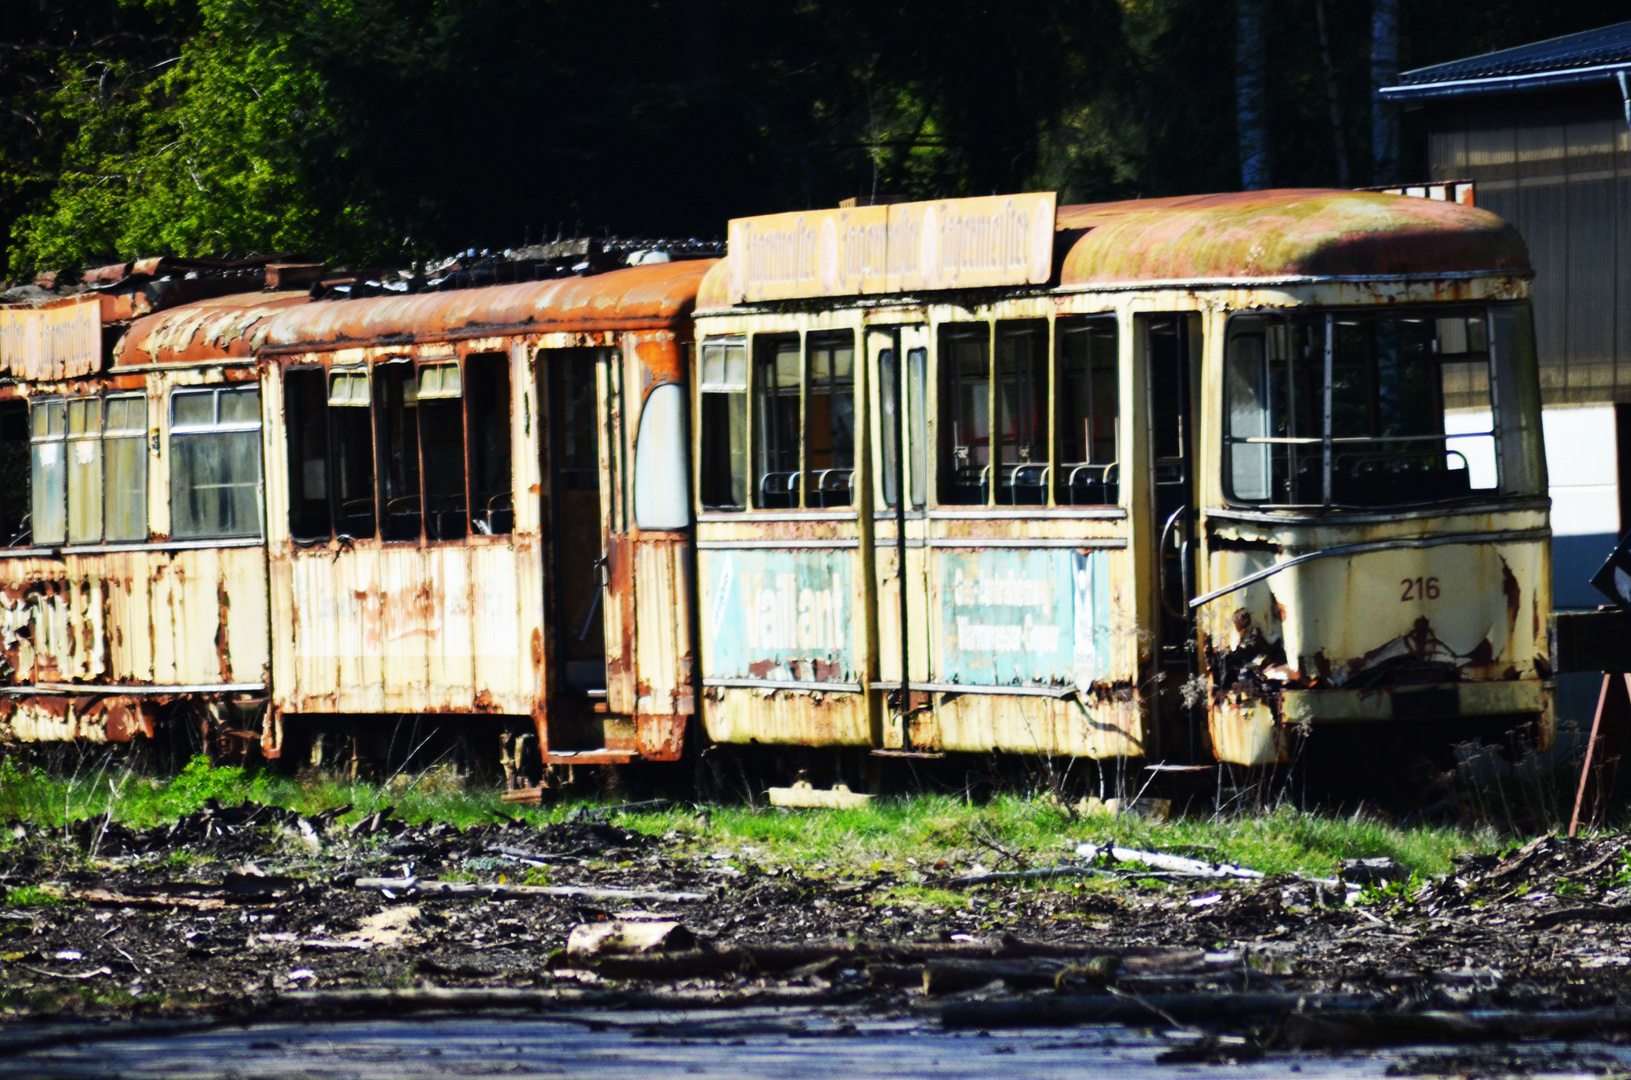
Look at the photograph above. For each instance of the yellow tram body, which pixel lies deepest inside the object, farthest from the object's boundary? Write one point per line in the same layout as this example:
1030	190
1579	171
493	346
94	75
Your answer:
1169	479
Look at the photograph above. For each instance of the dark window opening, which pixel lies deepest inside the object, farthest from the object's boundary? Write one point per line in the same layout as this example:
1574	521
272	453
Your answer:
1089	393
776	369
441	440
1022	413
579	427
305	418
16	492
723	391
965	414
830	421
487	420
396	433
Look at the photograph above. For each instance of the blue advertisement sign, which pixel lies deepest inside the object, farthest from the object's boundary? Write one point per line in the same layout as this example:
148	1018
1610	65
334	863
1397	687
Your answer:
779	615
1015	617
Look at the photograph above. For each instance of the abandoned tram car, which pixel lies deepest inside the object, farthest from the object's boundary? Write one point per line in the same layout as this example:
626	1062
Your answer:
1176	479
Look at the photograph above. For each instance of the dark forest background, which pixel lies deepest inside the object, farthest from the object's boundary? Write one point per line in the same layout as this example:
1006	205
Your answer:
381	131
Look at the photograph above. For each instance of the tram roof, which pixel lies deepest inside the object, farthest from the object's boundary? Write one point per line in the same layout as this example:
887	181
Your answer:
206	331
230	327
1293	233
1286	233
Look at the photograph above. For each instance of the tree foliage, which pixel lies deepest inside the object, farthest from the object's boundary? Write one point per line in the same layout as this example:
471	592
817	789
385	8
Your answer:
378	131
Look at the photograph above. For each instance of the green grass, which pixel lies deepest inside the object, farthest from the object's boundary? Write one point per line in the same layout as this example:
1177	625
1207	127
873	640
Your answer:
901	835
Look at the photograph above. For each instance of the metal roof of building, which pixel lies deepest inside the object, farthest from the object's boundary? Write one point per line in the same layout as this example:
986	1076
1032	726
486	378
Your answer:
1589	56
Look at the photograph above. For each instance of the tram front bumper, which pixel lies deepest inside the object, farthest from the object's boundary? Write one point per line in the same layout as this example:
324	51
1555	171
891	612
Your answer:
1436	701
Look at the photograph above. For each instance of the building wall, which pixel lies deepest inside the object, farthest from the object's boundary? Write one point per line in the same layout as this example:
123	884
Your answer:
1558	166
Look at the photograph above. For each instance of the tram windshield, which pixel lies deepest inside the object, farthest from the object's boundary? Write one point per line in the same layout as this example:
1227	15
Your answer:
1382	408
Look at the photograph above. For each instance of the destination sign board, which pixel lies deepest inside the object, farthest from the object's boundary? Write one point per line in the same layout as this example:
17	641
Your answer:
907	247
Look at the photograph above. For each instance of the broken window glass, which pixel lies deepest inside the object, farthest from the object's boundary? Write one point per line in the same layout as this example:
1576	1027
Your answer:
487	420
1089	390
830	421
305	413
776	410
723	390
350	480
215	463
965	415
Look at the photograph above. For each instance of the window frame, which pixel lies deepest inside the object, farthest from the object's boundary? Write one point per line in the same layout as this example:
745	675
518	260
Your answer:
217	428
66	442
733	392
1045	475
1326	442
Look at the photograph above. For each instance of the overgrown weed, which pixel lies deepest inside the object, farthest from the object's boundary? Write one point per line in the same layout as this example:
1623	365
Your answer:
929	836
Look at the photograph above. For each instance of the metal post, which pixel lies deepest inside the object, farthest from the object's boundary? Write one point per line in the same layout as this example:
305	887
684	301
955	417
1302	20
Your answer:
1330	347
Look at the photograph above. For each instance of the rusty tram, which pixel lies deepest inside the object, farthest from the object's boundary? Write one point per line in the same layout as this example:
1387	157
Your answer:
1174	479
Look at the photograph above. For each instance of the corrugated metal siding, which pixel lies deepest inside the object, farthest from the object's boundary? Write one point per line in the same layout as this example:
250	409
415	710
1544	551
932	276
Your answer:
58	341
1557	166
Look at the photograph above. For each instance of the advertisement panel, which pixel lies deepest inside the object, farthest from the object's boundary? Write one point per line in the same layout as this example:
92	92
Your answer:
1037	617
780	615
946	244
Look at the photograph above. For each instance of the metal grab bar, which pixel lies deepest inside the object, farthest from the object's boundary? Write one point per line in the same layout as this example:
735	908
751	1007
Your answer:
1161	555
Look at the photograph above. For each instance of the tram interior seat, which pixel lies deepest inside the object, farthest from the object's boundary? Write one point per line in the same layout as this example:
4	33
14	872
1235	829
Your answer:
1024	485
1381	479
497	516
779	490
834	487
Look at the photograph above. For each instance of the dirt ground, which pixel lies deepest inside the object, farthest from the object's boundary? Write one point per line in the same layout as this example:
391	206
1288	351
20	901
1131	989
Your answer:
232	909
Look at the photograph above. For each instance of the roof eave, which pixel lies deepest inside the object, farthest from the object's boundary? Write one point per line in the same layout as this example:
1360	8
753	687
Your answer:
1505	84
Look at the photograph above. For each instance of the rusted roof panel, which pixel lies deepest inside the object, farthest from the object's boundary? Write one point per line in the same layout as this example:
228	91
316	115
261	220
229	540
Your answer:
1286	233
633	298
209	331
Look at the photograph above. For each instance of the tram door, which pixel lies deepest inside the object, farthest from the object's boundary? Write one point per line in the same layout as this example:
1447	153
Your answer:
900	356
1172	350
578	384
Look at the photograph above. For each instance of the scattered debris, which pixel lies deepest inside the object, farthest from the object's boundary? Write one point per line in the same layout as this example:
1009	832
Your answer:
802	795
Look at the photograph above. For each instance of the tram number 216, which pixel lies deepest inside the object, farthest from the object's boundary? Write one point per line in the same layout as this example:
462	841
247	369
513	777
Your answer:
1419	589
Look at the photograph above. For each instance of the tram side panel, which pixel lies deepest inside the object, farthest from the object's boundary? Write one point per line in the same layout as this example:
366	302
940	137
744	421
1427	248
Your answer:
406	575
112	606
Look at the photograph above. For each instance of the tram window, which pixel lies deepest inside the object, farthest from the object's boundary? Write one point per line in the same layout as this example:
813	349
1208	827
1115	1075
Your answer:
965	416
579	435
305	421
351	441
15	519
1410	406
84	471
917	423
396	434
440	406
49	506
830	421
1022	413
724	426
1088	388
776	411
1522	462
215	463
124	448
487	422
889	422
